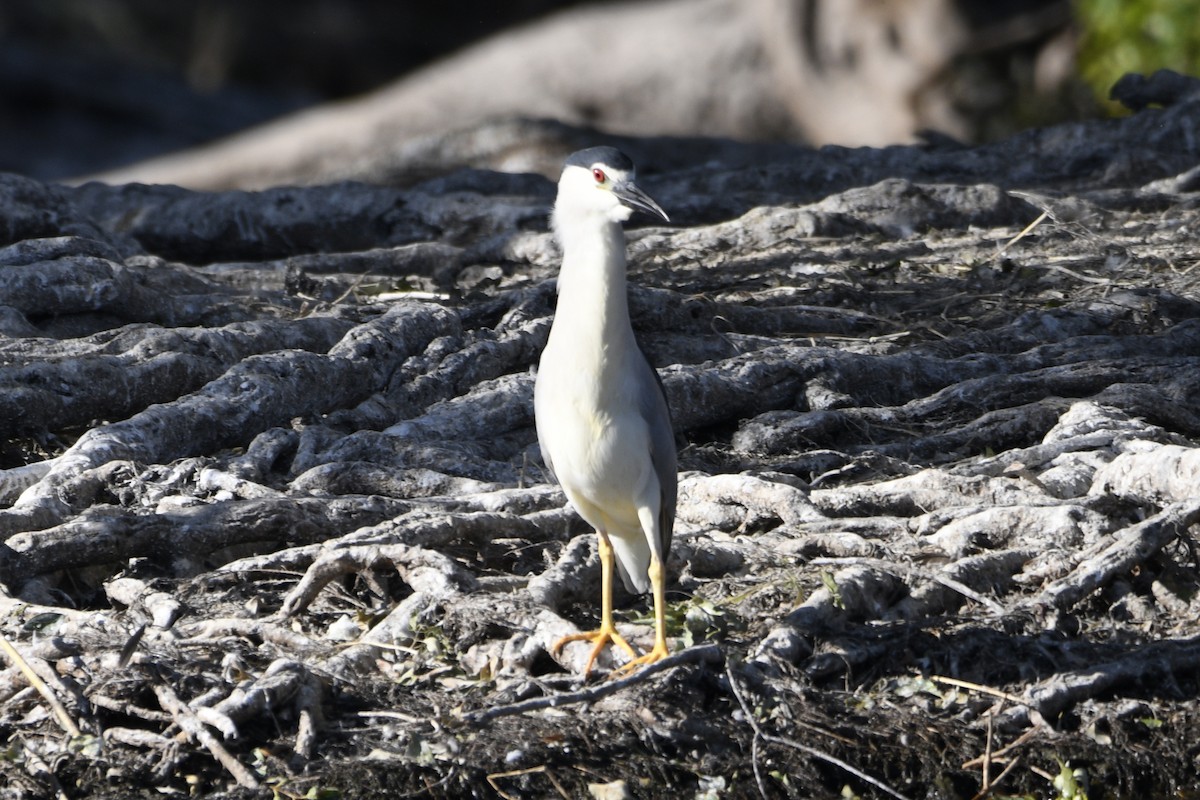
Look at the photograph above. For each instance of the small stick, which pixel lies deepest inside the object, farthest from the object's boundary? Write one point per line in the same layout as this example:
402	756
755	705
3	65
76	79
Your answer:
516	773
708	654
803	748
1022	234
1003	751
969	593
60	711
758	734
988	789
976	687
191	725
987	756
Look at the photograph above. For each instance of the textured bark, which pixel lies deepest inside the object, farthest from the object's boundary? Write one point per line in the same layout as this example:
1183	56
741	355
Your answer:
913	447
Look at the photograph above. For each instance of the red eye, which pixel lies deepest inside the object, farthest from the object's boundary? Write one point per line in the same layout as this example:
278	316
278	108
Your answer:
598	174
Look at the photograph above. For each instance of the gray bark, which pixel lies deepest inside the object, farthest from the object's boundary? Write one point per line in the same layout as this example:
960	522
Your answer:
905	433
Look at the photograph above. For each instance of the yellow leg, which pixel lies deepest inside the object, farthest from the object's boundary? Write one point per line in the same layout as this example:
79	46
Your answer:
607	631
658	581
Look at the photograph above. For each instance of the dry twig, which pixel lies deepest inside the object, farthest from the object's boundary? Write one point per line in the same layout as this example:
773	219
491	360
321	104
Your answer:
194	728
60	711
811	751
705	654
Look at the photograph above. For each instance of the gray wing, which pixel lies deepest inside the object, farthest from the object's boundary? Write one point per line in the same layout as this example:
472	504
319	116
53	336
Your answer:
653	404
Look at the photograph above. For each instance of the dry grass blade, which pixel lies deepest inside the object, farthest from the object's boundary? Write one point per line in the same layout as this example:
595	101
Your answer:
494	778
975	687
1024	232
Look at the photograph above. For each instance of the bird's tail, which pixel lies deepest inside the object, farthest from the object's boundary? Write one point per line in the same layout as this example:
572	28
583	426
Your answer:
633	558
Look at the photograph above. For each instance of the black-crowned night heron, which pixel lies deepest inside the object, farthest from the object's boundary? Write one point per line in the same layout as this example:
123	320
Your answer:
602	419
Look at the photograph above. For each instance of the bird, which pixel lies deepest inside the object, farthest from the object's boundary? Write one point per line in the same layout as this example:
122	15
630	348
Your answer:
602	418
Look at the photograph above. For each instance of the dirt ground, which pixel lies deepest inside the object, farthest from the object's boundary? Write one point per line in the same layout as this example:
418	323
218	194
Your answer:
275	521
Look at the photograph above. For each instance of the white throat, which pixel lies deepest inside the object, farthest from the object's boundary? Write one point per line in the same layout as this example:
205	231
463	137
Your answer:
592	294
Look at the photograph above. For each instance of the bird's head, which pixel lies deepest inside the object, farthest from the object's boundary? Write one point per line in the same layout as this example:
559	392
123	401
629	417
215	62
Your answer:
599	182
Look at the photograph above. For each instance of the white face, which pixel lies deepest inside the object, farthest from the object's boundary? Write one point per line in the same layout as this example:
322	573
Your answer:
590	191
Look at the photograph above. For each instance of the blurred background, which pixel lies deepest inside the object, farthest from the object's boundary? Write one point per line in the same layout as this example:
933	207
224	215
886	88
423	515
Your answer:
94	86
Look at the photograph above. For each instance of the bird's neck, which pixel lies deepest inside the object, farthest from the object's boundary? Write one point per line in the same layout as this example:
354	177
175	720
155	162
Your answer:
592	295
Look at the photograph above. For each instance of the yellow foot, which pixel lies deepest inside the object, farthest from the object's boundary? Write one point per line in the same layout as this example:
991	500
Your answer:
657	653
598	638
